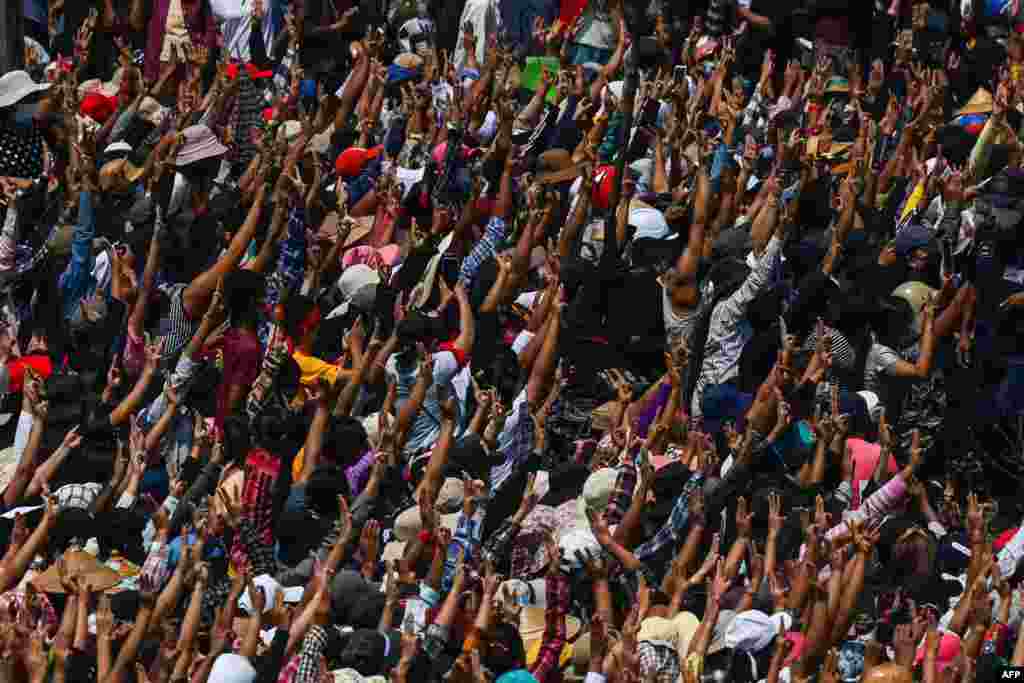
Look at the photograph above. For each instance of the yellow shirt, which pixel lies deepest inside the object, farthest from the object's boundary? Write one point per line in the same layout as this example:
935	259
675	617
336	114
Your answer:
313	369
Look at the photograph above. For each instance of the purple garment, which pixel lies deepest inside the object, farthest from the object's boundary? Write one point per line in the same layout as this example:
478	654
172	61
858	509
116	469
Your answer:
652	408
358	474
198	21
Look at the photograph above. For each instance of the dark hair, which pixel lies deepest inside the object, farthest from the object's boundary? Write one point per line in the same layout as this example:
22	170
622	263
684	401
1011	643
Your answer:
516	653
295	312
418	327
323	488
237	441
812	299
365	652
242	291
347	440
892	325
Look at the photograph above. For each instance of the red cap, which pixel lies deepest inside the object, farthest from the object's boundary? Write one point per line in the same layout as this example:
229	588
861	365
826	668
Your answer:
350	163
98	107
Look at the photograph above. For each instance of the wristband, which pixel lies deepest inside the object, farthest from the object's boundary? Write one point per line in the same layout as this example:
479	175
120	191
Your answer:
426	536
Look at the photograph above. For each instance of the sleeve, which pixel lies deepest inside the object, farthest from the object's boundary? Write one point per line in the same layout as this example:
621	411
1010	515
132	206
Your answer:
482	251
260	391
887	359
255	538
313	646
203	486
735	307
982	151
314	368
291	261
467	538
81	246
673	529
875	507
1009	556
446	366
557	598
157	567
9	240
358	473
622	494
24	430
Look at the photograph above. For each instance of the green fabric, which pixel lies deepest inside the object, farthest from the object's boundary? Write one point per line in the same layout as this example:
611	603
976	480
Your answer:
530	79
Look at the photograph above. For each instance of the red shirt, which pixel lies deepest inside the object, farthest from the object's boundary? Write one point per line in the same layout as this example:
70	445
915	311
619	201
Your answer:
241	367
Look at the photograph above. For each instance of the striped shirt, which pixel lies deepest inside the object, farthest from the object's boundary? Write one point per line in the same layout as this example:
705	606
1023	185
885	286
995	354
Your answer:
180	327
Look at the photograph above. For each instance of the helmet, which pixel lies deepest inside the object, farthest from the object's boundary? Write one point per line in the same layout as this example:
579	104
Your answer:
917	294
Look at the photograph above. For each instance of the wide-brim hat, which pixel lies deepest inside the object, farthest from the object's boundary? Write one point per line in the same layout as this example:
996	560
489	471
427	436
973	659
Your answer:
16	86
556	166
86	568
118	173
151	111
200	143
980	103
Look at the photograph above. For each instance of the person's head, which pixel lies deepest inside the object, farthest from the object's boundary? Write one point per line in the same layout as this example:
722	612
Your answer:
301	320
243	293
416	328
237	441
347	440
893	323
814	293
682	289
505	650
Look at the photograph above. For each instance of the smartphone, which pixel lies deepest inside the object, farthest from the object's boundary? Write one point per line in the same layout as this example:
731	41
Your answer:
679	74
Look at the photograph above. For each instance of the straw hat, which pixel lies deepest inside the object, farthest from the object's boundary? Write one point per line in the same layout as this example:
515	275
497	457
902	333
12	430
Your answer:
980	103
329	228
408	525
119	173
81	565
556	166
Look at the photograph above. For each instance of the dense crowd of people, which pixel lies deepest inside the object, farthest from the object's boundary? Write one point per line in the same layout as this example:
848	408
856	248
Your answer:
512	341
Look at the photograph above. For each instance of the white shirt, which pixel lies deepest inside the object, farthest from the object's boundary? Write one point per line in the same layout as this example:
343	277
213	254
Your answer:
486	20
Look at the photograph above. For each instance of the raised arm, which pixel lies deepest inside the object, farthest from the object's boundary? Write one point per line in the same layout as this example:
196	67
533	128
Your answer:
197	295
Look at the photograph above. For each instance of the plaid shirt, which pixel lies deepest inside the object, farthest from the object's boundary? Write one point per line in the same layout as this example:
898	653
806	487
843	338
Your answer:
466	537
254	541
291	261
259	394
515	443
622	494
312	650
659	661
485	249
675	527
557	596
